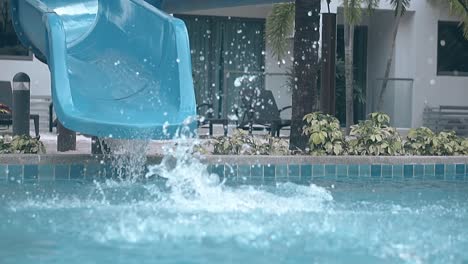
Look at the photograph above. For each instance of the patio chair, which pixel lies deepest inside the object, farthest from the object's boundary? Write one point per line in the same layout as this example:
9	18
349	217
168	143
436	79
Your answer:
6	99
260	112
206	110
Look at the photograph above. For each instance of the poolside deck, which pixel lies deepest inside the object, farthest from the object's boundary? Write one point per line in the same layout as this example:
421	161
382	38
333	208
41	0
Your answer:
83	145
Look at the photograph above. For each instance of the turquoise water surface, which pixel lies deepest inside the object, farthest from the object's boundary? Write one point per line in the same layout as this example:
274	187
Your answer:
358	221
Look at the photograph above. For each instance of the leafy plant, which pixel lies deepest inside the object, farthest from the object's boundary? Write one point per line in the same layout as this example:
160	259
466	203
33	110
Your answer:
241	143
325	135
464	146
375	137
448	144
421	141
4	146
21	145
279	24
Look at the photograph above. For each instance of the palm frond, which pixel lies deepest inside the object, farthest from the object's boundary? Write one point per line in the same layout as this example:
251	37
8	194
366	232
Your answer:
401	5
352	11
280	23
458	8
464	4
371	5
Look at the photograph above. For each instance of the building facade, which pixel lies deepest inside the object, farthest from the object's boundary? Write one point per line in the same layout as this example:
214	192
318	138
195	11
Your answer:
430	63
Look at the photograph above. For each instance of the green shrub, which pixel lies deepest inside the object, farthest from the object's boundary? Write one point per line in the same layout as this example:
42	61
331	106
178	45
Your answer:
27	145
375	137
464	146
448	144
21	145
4	146
421	141
232	145
325	135
241	143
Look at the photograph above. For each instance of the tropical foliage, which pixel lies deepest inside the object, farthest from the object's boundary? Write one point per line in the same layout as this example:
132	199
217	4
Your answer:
279	25
21	145
422	141
372	137
458	8
375	137
242	143
325	135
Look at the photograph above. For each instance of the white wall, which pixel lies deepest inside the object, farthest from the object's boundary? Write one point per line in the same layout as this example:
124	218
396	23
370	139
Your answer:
37	71
421	60
378	46
415	57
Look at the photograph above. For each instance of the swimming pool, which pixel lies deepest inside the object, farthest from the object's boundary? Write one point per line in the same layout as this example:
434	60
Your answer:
330	221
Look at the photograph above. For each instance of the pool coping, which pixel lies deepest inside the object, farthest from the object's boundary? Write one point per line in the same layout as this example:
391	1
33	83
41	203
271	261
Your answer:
50	159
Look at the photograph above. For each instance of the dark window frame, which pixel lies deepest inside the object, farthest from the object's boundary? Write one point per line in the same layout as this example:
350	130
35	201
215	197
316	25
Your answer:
438	70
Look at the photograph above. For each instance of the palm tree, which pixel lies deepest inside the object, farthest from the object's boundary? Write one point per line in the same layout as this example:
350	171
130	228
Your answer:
303	17
305	67
352	17
353	10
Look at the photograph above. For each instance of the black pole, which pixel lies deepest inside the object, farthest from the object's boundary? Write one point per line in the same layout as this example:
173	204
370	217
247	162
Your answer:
328	89
66	138
21	106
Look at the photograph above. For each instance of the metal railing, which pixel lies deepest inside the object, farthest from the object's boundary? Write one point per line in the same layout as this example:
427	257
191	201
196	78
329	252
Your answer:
397	100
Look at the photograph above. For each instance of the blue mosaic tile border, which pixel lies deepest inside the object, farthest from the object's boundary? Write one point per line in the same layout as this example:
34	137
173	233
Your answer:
308	173
248	174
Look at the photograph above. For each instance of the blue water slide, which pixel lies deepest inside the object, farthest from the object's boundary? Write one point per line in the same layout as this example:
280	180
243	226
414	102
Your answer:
119	68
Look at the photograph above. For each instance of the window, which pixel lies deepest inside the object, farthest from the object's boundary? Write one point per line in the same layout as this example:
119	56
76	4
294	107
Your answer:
452	51
224	51
10	46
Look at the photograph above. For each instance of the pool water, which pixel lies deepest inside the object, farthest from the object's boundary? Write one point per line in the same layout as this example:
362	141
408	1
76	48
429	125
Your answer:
359	221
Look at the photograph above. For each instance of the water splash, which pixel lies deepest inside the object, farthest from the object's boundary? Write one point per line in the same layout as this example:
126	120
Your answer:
127	158
192	187
189	204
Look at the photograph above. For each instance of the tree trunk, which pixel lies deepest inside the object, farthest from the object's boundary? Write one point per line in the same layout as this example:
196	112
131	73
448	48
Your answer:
349	75
305	93
389	59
